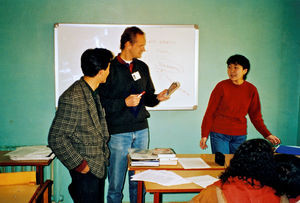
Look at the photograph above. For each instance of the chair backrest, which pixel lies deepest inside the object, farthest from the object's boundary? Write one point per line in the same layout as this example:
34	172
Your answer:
17	178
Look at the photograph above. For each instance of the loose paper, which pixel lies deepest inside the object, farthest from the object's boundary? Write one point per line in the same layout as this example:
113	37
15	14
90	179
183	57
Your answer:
203	181
189	163
162	177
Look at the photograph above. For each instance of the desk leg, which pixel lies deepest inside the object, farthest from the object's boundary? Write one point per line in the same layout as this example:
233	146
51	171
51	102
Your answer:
39	175
157	197
140	192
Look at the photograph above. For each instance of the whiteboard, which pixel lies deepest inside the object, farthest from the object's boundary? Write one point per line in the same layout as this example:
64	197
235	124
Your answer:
171	54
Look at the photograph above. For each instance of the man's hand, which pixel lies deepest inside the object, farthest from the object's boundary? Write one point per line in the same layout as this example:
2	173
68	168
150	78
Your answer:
162	96
132	100
85	170
273	139
203	143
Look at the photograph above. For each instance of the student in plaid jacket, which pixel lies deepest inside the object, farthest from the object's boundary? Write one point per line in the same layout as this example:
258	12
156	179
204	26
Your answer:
78	135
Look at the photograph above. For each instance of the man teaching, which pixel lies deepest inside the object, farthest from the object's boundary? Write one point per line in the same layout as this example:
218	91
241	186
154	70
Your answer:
128	90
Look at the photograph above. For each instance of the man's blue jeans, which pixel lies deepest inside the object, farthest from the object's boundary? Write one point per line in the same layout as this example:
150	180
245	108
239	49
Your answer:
119	145
226	144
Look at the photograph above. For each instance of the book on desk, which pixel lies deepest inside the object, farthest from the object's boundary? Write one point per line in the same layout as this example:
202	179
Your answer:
152	157
168	161
149	162
287	149
167	156
164	152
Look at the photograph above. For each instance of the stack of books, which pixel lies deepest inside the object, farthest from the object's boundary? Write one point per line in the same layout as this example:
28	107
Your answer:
143	157
152	157
166	156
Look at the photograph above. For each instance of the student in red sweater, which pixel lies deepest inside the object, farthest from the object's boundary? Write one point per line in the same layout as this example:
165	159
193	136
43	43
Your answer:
230	101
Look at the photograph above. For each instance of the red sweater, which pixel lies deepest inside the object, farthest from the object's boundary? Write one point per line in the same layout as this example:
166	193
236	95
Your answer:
240	191
237	191
227	109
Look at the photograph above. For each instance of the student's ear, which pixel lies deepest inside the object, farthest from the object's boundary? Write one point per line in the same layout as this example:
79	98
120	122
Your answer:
101	72
128	44
245	71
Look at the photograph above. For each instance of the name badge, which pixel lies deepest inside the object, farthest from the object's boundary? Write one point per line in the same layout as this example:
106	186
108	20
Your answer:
136	76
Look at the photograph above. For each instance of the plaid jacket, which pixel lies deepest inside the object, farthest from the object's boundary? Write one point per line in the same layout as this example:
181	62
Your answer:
77	133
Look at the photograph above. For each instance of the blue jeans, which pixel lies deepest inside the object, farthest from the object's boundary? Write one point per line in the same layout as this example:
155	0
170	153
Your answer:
119	145
226	144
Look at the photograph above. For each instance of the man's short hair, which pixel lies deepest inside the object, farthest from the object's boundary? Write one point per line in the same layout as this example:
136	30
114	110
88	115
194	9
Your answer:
94	60
241	60
129	35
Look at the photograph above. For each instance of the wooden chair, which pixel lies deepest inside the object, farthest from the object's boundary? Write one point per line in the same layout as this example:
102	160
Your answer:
19	187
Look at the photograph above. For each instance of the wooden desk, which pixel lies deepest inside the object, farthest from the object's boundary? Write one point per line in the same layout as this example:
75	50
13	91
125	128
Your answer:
208	158
39	164
158	189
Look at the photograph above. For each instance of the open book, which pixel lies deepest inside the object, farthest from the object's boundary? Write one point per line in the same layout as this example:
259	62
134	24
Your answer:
141	154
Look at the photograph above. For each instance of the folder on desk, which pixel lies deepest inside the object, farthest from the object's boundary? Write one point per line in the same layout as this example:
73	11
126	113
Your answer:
286	149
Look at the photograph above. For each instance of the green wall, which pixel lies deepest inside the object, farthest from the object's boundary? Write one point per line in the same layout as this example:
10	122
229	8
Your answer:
266	31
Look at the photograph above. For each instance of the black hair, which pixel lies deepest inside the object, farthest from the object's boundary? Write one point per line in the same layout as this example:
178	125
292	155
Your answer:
129	35
241	60
94	60
252	161
288	170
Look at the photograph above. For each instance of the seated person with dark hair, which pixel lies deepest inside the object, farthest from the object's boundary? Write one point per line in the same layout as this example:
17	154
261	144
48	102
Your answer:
288	169
248	178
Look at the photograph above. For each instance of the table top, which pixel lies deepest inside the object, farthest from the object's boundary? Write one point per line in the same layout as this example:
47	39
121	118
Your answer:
208	158
6	161
190	187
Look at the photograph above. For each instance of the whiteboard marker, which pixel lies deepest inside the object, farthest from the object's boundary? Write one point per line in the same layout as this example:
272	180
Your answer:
141	94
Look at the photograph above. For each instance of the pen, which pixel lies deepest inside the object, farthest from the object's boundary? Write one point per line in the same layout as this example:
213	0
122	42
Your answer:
141	94
50	154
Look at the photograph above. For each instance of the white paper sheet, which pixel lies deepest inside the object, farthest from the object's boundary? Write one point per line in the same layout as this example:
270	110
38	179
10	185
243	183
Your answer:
203	181
31	153
188	163
162	177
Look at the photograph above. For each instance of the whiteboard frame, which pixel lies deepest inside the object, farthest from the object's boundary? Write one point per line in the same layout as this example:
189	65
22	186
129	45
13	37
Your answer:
196	62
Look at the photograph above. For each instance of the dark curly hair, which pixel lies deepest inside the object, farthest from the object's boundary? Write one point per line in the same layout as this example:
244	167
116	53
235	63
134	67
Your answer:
253	160
288	170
